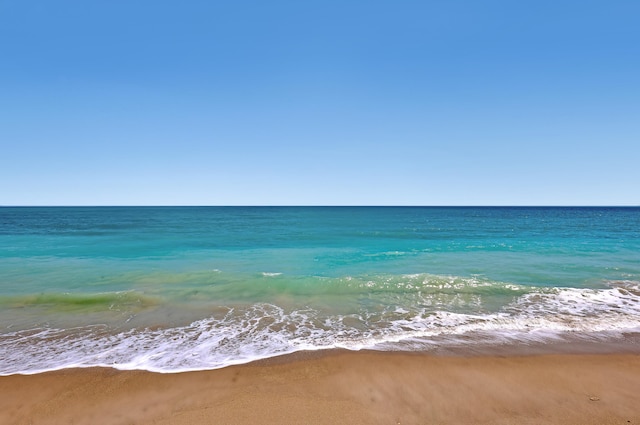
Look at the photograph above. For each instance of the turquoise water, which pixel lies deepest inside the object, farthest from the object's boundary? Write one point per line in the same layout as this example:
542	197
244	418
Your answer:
185	288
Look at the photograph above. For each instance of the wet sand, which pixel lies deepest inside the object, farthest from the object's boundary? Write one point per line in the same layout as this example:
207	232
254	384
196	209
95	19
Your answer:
340	387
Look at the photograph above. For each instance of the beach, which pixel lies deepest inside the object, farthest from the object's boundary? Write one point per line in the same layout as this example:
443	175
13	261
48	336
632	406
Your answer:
340	387
305	315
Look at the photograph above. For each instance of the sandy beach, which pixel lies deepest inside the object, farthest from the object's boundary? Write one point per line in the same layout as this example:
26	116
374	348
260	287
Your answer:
340	387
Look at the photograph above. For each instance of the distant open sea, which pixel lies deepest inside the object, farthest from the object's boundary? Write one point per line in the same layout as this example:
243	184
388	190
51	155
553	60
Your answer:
172	289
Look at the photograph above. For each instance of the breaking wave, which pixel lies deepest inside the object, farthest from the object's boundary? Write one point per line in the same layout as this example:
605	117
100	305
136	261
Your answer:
240	334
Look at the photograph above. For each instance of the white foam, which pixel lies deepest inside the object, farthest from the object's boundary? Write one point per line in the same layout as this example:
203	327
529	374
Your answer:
264	330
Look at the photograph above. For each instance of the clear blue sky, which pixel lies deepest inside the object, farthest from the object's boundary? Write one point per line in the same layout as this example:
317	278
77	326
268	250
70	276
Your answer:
397	102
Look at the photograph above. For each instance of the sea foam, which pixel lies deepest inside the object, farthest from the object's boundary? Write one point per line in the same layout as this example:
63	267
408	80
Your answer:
264	330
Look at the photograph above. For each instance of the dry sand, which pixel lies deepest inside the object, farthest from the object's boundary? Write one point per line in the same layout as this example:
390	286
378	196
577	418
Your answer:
345	388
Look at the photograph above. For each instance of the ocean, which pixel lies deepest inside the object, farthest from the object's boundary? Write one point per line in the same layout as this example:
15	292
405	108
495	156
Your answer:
173	289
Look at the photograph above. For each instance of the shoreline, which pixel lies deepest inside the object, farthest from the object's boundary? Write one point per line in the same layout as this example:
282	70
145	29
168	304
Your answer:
364	387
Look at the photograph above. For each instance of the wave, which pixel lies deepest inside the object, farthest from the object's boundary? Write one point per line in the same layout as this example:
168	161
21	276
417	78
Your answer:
238	334
266	283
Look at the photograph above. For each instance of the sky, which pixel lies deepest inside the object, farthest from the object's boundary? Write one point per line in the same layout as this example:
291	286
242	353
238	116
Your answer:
372	102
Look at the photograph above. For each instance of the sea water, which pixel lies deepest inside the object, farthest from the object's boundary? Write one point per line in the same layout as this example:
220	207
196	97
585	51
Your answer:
172	289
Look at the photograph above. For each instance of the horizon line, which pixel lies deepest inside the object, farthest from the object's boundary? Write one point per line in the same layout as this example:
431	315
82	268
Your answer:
318	206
